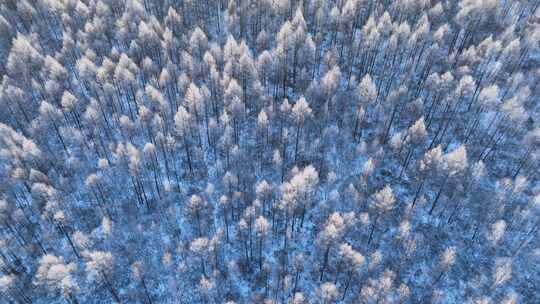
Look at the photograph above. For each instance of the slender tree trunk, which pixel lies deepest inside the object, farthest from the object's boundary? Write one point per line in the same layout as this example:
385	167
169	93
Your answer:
438	195
297	141
111	289
325	262
146	291
70	242
373	228
387	131
349	279
260	252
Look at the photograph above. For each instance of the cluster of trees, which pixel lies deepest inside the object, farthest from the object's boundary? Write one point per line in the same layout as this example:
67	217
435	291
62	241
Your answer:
289	151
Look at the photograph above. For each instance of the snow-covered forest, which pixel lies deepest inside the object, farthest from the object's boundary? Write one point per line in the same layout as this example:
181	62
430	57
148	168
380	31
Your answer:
269	151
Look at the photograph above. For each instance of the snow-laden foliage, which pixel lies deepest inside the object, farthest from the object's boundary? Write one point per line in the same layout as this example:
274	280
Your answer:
269	151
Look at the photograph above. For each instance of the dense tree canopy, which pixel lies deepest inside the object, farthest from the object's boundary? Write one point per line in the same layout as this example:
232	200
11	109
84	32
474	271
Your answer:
290	151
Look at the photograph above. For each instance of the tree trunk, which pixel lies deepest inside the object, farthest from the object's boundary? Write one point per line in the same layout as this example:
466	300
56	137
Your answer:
111	289
346	286
260	253
325	262
436	200
373	228
146	291
297	140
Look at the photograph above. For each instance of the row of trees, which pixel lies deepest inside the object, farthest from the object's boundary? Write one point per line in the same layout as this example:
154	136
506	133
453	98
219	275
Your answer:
316	151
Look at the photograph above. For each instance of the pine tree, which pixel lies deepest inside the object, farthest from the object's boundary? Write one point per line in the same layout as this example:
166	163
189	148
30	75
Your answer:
99	266
383	202
301	111
57	277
